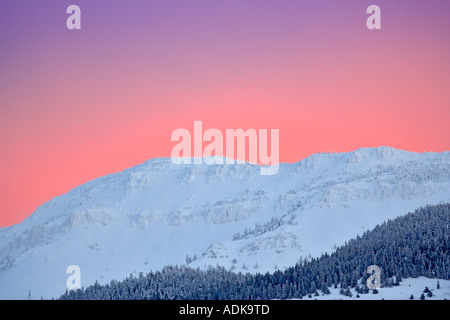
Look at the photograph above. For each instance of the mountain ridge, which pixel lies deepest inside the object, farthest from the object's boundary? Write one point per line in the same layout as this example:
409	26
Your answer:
159	213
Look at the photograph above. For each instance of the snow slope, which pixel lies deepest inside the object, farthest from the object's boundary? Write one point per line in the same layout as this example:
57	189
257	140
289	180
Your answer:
407	287
157	213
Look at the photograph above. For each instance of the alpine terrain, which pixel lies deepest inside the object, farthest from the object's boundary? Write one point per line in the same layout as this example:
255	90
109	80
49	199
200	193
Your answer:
159	213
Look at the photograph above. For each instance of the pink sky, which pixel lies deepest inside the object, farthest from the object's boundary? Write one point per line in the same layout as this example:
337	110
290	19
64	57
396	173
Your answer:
76	105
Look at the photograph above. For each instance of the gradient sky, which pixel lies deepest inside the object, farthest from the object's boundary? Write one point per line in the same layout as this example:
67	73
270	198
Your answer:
79	104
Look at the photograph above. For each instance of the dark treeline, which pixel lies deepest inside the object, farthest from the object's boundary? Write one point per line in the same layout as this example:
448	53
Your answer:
413	245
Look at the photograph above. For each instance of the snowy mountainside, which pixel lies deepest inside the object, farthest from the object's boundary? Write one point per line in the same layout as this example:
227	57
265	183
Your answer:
159	213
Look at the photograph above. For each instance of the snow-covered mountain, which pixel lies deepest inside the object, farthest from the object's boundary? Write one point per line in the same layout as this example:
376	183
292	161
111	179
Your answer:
159	213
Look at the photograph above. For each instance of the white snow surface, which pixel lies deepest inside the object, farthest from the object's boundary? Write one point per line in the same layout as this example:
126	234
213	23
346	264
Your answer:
407	287
157	213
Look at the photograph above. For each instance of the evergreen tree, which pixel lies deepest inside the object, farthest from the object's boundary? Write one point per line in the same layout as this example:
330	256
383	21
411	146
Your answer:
348	293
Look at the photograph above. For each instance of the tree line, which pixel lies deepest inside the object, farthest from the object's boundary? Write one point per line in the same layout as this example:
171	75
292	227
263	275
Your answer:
416	244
